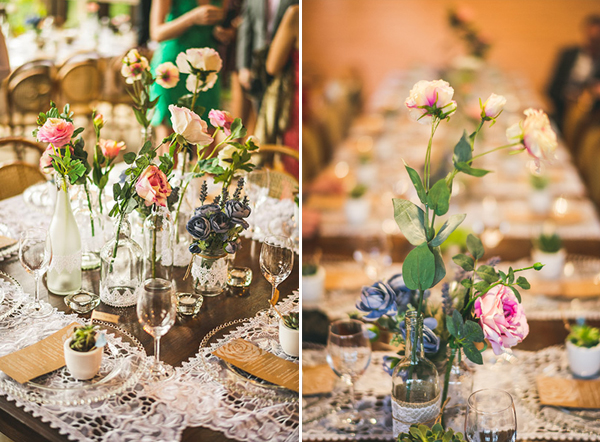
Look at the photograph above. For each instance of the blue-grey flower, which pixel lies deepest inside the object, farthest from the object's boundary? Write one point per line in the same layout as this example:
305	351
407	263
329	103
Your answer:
199	227
377	300
404	295
237	211
195	248
207	209
431	342
220	223
233	246
389	363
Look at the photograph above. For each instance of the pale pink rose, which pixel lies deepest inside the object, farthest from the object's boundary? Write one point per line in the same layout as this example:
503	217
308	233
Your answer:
56	131
189	125
110	148
502	318
46	160
167	75
152	186
193	84
222	119
203	59
535	135
99	121
430	98
133	56
133	66
493	106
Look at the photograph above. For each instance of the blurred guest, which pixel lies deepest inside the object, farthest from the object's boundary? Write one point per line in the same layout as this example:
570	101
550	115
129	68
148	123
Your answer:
577	68
143	18
4	62
179	25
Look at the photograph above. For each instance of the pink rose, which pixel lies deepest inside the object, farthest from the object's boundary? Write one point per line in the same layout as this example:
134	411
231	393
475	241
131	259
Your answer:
46	160
222	119
493	106
189	125
167	75
430	98
152	186
110	148
99	121
535	135
502	318
56	131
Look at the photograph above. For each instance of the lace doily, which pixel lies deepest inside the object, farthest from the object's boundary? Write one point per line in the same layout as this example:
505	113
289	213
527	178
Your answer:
214	275
66	263
405	414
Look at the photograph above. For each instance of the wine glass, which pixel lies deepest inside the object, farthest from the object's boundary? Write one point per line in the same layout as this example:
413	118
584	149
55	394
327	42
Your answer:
276	262
491	417
35	254
348	355
374	255
156	311
257	189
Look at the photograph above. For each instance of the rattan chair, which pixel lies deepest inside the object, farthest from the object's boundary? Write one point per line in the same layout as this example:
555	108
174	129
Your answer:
23	149
282	185
16	176
80	84
271	156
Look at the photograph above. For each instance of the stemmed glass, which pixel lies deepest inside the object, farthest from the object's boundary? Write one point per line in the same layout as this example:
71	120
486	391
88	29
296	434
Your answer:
276	262
156	311
348	355
257	189
35	254
491	417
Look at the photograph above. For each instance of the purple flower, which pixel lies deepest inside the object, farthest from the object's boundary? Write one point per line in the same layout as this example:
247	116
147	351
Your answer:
219	222
207	209
233	246
237	211
199	227
377	300
431	342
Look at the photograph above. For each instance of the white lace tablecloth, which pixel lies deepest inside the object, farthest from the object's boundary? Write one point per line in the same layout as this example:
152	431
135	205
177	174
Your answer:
161	411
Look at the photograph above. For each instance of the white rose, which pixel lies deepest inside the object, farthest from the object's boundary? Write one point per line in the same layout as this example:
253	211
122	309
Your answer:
191	83
226	153
493	106
535	135
205	59
436	95
189	125
514	133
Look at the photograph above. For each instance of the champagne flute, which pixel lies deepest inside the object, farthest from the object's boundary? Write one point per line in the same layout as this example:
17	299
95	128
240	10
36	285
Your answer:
348	355
156	311
276	262
491	417
35	254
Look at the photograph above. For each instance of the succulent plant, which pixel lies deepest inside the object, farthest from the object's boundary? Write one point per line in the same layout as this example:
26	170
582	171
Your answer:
358	191
584	336
549	243
292	320
309	269
86	338
422	433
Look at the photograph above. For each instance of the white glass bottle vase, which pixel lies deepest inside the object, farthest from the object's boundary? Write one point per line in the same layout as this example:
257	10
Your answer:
91	229
64	275
158	245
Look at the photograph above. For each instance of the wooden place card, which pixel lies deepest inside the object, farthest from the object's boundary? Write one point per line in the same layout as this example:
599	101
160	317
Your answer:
317	379
569	392
106	317
5	241
260	363
37	359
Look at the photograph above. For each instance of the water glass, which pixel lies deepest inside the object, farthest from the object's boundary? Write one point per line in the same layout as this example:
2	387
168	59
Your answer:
276	261
491	417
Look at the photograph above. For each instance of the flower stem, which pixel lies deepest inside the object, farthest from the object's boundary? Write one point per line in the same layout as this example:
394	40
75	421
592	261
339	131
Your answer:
89	201
114	254
153	264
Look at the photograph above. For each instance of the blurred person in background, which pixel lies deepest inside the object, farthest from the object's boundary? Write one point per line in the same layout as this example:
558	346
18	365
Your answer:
179	25
577	70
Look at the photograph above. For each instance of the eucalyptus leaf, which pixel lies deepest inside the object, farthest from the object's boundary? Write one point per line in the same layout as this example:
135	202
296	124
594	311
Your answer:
418	269
447	228
411	220
440	267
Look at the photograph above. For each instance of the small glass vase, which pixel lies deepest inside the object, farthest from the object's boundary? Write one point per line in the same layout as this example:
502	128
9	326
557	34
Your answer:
64	274
121	274
91	230
210	273
459	378
416	396
158	245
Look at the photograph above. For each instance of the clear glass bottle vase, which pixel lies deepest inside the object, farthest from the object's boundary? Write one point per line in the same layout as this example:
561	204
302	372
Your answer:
158	245
210	273
416	397
459	378
91	228
122	265
64	274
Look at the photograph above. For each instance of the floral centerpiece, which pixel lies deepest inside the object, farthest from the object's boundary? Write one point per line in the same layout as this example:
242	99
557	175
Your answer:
489	308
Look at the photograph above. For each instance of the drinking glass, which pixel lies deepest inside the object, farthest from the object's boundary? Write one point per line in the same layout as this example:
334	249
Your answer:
276	262
257	190
156	311
491	417
35	254
348	355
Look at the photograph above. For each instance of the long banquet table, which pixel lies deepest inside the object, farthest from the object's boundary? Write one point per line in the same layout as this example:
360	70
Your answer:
177	346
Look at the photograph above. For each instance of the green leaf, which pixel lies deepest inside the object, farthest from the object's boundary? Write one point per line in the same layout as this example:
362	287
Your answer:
502	275
454	324
465	262
440	267
439	197
419	268
237	129
411	220
481	286
462	150
472	353
511	276
466	169
467	283
523	283
416	180
487	273
146	148
475	246
447	228
116	191
129	157
516	292
473	332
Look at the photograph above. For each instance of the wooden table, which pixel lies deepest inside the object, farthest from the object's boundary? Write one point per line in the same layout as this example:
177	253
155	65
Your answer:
180	344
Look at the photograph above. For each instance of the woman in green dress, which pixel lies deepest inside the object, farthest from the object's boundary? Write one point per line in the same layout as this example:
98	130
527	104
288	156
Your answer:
179	25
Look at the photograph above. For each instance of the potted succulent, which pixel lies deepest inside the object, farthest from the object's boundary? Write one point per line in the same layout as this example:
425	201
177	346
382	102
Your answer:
357	205
422	433
313	283
83	351
540	198
548	249
289	333
583	350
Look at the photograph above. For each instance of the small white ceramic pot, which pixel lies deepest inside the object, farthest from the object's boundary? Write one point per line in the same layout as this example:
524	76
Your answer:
313	287
554	263
540	201
583	362
357	210
83	365
289	340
